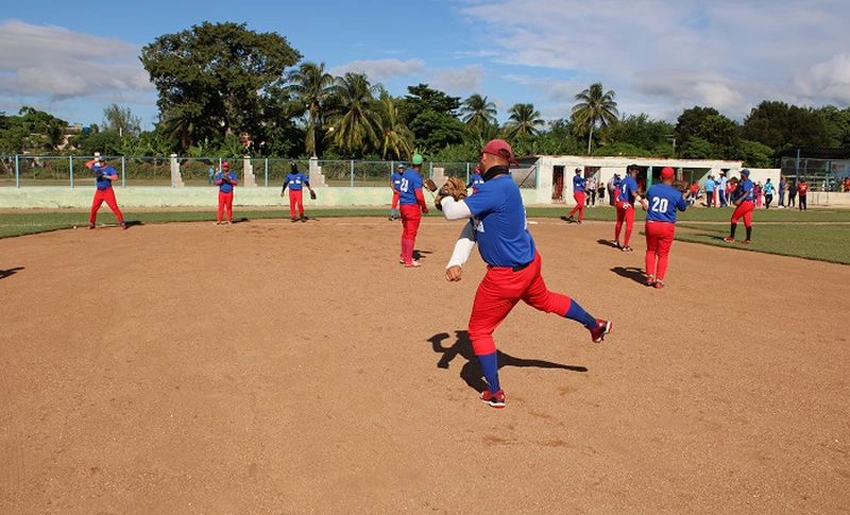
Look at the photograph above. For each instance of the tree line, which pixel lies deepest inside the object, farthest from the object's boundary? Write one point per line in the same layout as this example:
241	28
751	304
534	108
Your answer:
226	90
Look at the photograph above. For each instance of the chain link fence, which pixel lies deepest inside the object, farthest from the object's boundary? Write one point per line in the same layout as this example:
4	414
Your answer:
821	174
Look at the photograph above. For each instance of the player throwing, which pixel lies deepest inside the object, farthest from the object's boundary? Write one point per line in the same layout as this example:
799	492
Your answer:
664	200
497	223
743	200
412	208
579	185
104	175
627	195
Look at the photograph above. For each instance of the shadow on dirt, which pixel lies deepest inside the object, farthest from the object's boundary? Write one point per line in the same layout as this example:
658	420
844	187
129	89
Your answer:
635	274
470	371
10	272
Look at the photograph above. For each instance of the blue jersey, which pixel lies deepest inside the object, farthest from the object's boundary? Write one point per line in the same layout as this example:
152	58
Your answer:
744	191
104	183
768	188
410	182
664	200
476	182
500	226
226	187
579	183
395	181
295	181
625	189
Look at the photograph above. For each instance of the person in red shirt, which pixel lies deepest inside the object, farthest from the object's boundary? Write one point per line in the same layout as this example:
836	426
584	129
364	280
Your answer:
802	192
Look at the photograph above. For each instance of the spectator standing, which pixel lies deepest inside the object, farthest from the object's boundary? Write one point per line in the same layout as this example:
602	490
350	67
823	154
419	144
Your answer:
591	192
782	187
709	191
722	195
803	193
792	194
768	193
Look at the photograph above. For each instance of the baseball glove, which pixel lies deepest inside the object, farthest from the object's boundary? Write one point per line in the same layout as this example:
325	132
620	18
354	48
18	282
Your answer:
681	186
429	183
454	187
312	195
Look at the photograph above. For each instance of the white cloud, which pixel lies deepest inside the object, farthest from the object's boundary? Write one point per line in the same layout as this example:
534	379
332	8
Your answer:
829	79
56	63
459	81
380	69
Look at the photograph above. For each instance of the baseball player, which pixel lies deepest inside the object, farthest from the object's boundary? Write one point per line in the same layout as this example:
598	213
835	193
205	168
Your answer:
498	224
579	185
412	204
476	180
627	195
395	184
104	175
803	194
742	197
296	182
226	181
663	200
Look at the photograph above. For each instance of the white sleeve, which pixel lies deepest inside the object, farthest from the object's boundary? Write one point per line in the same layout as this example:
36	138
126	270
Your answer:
455	209
463	247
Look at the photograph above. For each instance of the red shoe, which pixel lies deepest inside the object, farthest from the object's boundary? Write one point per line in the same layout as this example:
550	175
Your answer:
495	400
650	280
729	239
746	242
412	264
603	327
658	285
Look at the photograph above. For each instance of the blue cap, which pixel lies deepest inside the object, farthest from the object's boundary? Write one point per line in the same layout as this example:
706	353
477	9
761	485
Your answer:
745	172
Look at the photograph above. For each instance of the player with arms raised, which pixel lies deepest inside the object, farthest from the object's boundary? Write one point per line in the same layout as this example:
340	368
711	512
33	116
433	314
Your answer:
497	223
664	200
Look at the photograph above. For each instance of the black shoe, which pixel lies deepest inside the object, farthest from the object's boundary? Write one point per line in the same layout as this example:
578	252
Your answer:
304	218
294	220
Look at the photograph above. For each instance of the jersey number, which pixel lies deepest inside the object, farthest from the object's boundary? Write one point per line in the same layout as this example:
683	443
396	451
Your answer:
659	205
405	185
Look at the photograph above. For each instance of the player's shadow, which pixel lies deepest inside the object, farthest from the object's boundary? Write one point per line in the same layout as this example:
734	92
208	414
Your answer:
607	243
635	274
470	371
420	254
10	272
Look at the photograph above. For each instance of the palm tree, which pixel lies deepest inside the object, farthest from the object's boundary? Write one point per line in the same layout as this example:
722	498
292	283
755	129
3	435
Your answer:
396	136
356	122
311	86
523	120
479	114
594	108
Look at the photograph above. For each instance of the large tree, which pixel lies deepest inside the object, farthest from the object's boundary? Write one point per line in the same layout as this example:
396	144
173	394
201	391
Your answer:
702	132
523	121
121	120
356	116
310	87
479	114
431	116
595	107
780	126
214	78
396	138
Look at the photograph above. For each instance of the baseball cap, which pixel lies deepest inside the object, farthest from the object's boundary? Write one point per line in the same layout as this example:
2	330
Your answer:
225	165
578	169
417	159
501	148
400	166
667	173
745	172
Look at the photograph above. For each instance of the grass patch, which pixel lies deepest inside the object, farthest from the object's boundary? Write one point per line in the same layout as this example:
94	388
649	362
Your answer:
822	242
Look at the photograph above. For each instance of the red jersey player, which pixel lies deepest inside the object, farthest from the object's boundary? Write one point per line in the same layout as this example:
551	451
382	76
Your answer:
498	224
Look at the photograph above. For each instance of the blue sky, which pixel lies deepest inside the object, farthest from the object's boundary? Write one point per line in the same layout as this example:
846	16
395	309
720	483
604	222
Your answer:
660	57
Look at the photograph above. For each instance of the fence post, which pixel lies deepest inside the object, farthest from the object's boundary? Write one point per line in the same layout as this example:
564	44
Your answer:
123	171
17	171
266	167
467	173
352	173
71	169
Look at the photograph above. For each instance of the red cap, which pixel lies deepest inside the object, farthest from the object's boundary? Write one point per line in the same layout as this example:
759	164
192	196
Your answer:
667	173
501	148
225	165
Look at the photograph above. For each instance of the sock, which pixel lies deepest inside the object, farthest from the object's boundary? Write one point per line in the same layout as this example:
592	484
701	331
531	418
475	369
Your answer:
578	314
732	229
490	367
749	232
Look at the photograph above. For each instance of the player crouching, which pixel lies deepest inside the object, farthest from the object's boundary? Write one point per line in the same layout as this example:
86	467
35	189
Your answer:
513	263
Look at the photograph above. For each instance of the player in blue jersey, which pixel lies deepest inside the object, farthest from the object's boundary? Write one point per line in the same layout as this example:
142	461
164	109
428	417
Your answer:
579	185
663	202
475	181
412	208
627	195
395	184
296	181
743	200
104	175
498	225
226	181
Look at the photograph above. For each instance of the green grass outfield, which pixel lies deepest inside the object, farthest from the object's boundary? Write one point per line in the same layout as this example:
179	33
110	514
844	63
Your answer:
820	234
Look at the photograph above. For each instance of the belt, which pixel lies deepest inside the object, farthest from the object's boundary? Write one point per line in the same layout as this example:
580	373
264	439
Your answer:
515	268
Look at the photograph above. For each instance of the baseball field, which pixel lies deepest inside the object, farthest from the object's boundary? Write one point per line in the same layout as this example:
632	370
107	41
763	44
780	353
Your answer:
270	367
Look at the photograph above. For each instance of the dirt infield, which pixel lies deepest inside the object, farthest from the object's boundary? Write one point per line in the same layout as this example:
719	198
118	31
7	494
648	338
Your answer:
269	367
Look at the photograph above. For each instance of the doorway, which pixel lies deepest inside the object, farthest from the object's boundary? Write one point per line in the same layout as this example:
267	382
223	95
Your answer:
558	184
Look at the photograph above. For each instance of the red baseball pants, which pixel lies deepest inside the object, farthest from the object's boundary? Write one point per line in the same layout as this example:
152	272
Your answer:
659	239
745	210
625	213
411	217
225	202
296	202
580	198
499	292
108	196
395	200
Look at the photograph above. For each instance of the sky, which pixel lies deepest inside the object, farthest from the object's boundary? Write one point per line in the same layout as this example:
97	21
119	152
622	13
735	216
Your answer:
660	57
